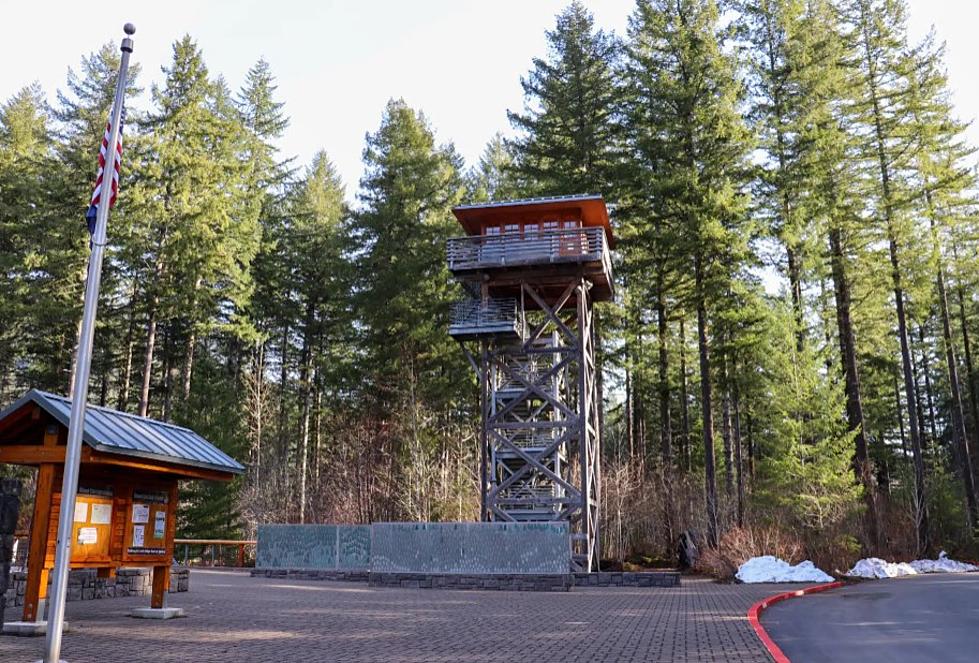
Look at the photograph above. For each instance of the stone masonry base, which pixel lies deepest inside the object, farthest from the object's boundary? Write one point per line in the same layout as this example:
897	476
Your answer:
511	582
84	584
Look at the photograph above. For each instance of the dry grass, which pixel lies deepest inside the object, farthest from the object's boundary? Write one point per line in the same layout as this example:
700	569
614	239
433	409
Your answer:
739	544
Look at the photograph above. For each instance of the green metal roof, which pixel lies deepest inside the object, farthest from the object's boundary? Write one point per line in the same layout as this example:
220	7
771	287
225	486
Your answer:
114	432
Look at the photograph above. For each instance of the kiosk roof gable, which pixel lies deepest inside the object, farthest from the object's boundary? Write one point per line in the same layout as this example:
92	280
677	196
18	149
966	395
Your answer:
120	433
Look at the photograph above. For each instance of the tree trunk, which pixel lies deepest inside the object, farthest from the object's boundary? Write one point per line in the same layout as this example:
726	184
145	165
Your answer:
666	433
104	385
629	414
144	394
167	372
282	428
795	284
684	405
883	466
738	455
318	433
919	401
854	407
970	377
728	449
900	414
127	371
305	372
914	427
706	405
929	395
188	367
958	418
74	359
259	409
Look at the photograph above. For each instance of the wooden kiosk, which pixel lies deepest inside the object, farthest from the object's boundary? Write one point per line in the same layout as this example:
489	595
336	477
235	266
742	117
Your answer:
125	513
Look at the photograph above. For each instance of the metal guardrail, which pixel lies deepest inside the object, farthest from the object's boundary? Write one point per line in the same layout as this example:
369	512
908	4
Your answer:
521	248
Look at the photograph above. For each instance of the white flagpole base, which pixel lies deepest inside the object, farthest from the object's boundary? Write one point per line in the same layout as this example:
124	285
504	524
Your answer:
157	613
30	629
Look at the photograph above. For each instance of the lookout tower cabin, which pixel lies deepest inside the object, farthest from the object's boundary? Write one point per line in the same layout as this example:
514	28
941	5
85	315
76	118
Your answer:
532	270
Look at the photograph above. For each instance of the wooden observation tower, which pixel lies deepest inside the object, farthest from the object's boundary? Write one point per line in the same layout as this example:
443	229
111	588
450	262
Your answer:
532	269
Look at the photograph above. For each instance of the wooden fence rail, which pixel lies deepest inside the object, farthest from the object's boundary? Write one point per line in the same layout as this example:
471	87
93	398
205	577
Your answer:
212	545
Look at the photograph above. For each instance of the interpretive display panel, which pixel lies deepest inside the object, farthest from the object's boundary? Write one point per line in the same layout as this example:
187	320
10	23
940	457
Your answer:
92	528
148	518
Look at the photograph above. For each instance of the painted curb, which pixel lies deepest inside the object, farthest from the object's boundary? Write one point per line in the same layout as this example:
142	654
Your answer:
754	615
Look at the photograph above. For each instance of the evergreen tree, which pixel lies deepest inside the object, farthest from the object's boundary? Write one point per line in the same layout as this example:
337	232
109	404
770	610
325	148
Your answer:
402	286
82	112
568	134
876	29
493	178
314	248
27	168
199	237
702	147
403	290
944	183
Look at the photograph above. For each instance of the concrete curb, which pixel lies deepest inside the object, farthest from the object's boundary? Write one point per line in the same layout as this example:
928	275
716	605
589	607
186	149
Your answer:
754	615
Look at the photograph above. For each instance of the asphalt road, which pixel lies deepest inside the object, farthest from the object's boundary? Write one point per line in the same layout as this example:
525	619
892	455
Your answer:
914	619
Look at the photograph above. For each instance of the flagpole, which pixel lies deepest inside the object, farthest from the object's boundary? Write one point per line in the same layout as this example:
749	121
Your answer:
83	362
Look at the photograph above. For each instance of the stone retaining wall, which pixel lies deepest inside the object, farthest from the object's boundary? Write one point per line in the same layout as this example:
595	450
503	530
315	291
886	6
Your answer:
312	574
526	582
85	585
628	579
535	582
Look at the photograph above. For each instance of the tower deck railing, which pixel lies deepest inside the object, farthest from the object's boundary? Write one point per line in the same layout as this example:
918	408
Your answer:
494	315
567	245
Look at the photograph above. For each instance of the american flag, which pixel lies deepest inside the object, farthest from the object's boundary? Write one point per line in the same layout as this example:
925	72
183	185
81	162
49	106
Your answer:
93	208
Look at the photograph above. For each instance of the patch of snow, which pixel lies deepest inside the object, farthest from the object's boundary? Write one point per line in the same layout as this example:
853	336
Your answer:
874	567
772	569
942	565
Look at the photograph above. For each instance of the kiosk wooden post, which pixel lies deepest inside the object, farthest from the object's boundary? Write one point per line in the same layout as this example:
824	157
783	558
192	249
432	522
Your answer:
37	572
126	508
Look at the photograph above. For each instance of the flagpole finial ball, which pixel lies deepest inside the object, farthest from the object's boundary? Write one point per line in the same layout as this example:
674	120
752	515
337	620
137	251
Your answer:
129	29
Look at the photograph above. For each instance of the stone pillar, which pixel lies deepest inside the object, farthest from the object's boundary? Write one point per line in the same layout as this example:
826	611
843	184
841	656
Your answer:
9	510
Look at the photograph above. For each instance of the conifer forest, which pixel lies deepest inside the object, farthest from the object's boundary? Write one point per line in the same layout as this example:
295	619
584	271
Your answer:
789	366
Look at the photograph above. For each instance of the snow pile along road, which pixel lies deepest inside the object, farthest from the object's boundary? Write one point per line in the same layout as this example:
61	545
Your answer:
942	565
874	567
773	569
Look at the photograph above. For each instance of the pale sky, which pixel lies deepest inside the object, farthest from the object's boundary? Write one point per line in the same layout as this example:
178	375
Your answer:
339	61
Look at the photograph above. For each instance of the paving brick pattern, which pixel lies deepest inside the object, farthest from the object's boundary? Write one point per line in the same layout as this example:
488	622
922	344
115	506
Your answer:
233	617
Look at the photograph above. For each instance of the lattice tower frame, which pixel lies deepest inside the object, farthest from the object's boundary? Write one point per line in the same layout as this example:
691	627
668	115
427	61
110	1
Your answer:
540	436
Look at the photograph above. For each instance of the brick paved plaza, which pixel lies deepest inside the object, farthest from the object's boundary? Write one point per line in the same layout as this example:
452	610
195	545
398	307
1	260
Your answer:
232	617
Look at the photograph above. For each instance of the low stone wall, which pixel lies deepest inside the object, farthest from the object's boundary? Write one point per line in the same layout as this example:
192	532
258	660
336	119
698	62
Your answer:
533	582
526	582
628	579
85	585
312	574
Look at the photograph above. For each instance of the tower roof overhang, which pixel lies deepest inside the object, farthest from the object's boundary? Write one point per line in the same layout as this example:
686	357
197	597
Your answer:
589	208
